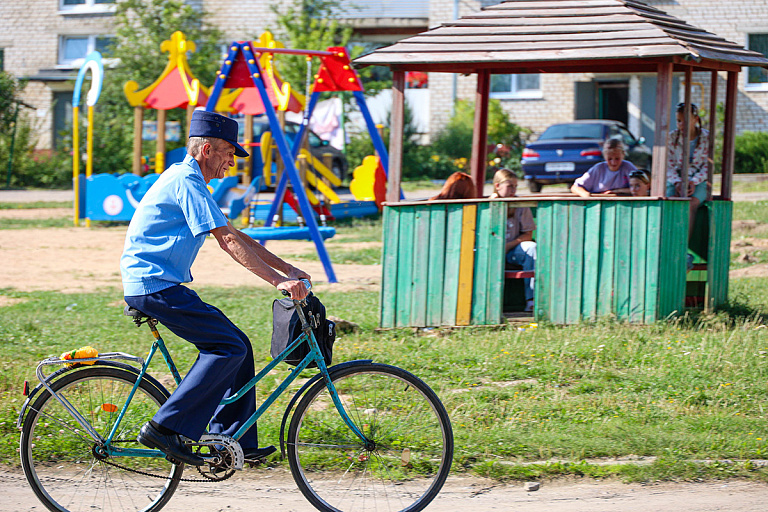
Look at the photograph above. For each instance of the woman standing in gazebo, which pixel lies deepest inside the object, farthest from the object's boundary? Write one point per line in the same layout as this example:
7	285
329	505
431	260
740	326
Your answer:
697	166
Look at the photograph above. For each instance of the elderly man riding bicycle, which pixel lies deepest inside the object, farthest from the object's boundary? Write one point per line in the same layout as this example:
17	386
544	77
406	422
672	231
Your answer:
163	239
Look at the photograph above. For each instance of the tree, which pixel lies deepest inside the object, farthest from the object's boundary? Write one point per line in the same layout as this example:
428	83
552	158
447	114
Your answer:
309	25
143	25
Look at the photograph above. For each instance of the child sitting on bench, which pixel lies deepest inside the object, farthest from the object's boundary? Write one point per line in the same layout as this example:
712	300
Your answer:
520	247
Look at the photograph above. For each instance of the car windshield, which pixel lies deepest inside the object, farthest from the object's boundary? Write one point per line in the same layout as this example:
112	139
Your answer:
573	131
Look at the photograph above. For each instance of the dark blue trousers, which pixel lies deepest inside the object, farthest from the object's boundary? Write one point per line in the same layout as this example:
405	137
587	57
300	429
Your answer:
224	365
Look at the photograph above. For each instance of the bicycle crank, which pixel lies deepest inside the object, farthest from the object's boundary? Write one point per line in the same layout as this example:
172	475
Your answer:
222	453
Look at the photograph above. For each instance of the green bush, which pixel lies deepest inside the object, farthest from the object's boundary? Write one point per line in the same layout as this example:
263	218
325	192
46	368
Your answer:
751	152
455	140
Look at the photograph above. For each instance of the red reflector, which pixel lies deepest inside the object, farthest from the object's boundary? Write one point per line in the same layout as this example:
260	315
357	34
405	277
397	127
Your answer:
109	407
529	153
591	152
25	389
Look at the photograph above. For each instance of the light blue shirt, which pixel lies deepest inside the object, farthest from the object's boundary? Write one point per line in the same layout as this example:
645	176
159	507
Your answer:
168	229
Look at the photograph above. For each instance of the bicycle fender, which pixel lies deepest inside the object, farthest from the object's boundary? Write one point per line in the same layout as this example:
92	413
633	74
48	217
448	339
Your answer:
65	369
303	390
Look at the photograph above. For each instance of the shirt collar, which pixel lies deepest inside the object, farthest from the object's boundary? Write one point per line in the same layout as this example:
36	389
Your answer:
190	160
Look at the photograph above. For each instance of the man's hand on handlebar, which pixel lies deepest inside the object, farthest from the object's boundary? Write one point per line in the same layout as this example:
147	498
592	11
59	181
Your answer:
293	288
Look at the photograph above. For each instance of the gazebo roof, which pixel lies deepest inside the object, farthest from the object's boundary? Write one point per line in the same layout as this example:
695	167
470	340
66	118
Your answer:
561	35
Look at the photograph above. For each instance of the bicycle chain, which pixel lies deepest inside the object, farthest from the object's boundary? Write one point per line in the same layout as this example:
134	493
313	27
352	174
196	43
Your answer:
138	471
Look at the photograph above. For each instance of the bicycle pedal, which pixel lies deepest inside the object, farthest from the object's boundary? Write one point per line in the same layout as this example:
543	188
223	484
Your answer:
173	461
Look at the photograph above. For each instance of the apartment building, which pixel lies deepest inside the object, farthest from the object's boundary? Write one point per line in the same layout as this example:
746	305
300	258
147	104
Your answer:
45	41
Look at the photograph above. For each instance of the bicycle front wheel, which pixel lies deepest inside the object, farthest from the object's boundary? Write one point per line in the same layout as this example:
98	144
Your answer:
408	460
60	459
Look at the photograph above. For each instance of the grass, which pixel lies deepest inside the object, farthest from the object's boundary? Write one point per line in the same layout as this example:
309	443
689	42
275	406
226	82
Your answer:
35	205
677	400
540	401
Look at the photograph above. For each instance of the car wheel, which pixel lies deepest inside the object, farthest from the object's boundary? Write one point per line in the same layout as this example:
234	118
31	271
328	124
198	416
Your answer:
534	187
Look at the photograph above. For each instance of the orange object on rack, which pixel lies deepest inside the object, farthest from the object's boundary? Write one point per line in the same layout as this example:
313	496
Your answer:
86	352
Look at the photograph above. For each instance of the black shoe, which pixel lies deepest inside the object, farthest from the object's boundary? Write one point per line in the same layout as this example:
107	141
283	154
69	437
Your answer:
257	454
171	445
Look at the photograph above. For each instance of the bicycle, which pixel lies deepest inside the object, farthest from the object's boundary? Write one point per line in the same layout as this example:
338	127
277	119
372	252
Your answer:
363	435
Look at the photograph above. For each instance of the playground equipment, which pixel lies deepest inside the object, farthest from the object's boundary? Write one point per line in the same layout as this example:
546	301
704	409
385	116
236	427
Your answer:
176	87
93	64
242	68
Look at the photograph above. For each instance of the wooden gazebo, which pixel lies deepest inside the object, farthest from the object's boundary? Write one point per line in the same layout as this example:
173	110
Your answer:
581	273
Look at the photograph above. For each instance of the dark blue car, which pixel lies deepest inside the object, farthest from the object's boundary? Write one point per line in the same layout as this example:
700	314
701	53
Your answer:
565	151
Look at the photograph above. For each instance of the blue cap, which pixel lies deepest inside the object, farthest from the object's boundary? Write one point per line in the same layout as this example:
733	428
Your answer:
211	124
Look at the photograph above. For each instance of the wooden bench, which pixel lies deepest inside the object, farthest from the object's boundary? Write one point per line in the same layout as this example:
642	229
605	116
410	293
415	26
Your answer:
519	274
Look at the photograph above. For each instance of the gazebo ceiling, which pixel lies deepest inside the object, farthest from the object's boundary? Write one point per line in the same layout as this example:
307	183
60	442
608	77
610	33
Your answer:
523	36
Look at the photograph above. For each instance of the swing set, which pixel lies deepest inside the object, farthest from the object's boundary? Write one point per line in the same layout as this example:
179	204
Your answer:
242	69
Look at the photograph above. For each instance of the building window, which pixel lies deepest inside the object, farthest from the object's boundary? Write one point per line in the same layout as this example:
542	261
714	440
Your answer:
516	86
757	78
86	6
73	49
2	59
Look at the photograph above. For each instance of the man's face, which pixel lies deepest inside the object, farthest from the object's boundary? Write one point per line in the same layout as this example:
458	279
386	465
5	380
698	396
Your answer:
218	158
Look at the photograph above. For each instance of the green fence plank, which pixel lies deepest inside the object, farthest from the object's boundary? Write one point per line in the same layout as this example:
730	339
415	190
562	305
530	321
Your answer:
482	258
592	234
652	262
624	240
494	301
606	261
638	256
543	290
675	240
419	274
388	294
575	262
452	260
406	264
436	266
558	264
718	258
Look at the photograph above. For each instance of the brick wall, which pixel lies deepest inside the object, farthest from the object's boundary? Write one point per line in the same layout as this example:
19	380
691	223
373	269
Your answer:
30	39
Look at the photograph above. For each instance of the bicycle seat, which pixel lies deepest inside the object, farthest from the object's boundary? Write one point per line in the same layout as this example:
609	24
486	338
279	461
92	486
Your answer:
135	313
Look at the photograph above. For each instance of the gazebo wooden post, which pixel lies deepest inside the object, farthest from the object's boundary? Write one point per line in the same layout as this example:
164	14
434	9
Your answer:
480	130
729	133
138	123
160	152
712	132
663	97
686	133
396	135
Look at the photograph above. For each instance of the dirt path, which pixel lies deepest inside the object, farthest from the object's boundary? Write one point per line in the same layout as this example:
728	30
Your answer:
80	259
274	490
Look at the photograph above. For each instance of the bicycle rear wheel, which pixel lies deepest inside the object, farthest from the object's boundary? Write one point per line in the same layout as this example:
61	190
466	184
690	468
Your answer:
59	457
403	417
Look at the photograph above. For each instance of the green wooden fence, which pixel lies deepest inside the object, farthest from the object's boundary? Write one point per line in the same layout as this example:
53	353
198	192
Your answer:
443	262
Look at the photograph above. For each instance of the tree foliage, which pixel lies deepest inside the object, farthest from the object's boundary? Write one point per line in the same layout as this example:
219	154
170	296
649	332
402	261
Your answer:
143	25
310	25
455	140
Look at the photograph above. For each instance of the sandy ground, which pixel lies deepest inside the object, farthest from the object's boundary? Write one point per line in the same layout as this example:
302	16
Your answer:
274	490
80	259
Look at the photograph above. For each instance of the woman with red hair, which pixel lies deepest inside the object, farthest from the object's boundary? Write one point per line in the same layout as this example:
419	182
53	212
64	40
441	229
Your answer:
459	185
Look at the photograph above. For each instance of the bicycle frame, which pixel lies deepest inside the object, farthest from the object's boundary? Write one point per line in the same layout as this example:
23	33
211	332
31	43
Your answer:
314	355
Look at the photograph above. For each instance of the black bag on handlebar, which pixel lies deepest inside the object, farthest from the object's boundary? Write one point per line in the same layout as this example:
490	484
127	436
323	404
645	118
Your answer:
286	327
